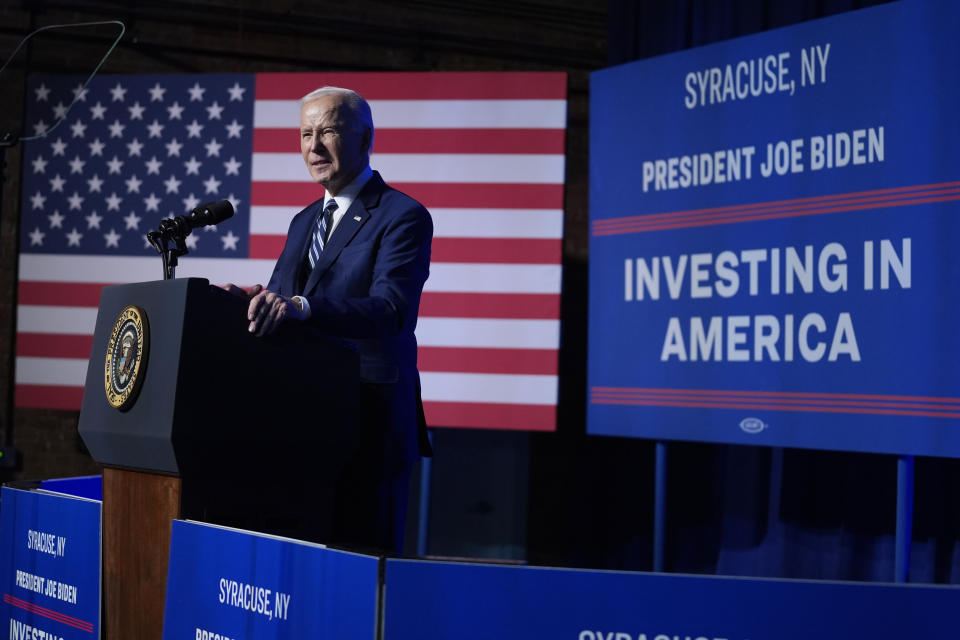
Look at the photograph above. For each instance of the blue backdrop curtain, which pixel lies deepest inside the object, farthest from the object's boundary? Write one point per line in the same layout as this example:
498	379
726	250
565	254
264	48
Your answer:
732	510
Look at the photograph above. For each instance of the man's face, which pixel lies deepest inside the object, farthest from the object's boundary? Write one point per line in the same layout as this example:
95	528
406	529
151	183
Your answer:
334	148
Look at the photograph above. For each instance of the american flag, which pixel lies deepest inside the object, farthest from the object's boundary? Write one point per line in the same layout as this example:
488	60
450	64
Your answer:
482	151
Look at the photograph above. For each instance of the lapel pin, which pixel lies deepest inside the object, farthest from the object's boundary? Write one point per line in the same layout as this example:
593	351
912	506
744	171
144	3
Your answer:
357	218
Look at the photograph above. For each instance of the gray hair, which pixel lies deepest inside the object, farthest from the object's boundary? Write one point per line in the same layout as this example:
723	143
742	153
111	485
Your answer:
359	108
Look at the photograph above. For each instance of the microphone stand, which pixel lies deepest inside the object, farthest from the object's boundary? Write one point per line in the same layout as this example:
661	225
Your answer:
177	230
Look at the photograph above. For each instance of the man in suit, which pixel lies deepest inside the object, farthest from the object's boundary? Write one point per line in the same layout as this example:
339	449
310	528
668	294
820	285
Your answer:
354	265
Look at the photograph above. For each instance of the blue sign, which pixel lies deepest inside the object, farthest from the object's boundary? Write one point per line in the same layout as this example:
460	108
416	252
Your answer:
773	238
227	584
427	600
49	565
81	486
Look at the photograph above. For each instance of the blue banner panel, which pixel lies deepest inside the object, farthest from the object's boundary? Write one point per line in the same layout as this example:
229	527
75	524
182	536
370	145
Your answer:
81	486
427	600
227	584
49	565
774	222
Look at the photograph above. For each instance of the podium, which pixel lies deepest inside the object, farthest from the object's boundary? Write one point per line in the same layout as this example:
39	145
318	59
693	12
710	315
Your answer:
217	425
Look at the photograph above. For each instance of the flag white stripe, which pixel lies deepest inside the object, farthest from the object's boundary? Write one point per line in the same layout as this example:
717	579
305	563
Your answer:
447	223
491	333
489	387
437	386
433	114
122	269
444	276
271	221
498	223
61	320
528	168
493	278
71	372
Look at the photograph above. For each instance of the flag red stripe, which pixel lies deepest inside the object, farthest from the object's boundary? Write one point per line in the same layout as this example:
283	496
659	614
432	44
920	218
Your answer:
484	250
544	141
544	306
45	396
474	360
59	294
264	246
431	194
54	345
478	415
539	306
419	85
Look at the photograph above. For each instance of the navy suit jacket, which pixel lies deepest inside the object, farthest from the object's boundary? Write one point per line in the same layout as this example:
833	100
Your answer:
366	289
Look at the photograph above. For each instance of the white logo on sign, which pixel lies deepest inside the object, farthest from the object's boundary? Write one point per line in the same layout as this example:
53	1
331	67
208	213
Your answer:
753	425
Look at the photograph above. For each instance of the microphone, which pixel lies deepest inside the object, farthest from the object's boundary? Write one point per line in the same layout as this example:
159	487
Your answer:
205	214
177	229
210	213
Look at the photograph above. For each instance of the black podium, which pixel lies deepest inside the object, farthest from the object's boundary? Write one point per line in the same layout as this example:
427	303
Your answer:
221	426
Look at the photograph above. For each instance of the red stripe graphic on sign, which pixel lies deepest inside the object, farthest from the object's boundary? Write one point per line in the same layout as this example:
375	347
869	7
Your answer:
934	407
798	207
77	623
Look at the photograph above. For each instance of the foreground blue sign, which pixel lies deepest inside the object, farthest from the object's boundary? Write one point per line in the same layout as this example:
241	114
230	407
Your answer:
773	238
226	584
49	566
427	600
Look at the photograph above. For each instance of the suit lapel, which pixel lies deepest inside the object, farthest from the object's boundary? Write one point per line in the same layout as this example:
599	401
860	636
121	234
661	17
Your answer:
353	219
302	228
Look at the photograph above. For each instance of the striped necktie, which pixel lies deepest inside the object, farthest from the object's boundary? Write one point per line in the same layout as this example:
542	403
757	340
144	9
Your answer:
324	223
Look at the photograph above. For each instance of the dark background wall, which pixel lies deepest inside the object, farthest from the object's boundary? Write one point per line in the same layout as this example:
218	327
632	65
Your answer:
560	498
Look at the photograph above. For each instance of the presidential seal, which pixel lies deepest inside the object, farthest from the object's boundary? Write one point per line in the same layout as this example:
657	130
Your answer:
126	363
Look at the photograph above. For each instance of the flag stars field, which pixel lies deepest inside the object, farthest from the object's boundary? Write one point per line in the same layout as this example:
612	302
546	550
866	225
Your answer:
175	111
112	239
156	93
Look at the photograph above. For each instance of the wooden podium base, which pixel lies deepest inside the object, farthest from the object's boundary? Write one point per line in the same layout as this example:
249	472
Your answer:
137	511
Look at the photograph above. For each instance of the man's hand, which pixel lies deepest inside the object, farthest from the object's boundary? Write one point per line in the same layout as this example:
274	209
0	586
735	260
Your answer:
241	292
268	310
